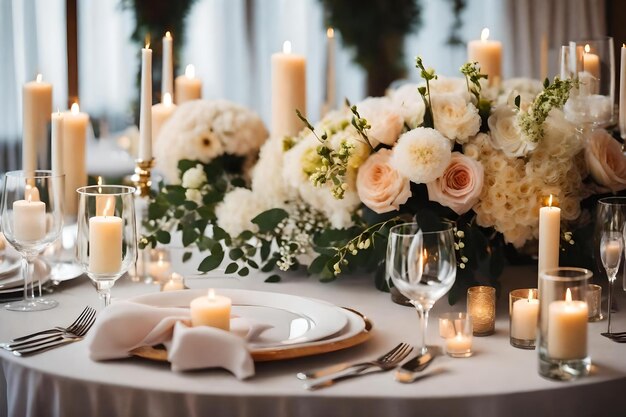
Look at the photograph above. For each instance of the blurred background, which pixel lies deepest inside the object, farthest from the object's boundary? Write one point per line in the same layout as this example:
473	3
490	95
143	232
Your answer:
89	49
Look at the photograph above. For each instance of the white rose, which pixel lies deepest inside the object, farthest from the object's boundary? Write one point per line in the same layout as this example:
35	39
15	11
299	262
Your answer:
410	104
384	117
194	177
506	134
450	85
454	117
421	155
194	195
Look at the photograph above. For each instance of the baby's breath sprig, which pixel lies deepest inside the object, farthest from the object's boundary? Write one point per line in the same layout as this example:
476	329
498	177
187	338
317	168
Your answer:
360	124
428	75
472	78
567	238
553	96
459	245
362	241
309	126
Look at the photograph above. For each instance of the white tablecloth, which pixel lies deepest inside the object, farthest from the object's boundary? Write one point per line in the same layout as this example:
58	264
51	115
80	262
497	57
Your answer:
498	380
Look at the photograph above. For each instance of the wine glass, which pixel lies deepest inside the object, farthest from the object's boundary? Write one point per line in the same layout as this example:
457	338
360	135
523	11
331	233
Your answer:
107	234
423	266
610	221
32	219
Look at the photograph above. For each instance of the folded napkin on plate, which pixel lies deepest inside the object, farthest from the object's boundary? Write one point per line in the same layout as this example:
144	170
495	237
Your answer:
124	326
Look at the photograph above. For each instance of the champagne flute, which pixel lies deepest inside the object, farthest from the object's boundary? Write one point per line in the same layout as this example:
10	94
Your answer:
610	221
423	266
107	234
32	219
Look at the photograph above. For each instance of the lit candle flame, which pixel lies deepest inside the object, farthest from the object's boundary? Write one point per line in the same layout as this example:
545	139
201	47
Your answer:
167	99
190	71
108	209
168	35
550	201
147	41
176	277
286	47
75	109
160	261
587	49
330	33
624	45
39	78
99	182
568	295
211	294
530	295
484	34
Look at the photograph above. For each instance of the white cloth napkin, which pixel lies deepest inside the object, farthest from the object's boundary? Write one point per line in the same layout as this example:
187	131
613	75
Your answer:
125	325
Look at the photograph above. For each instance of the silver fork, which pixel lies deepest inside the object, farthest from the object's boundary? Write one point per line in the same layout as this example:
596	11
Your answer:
76	328
86	311
41	345
319	372
387	363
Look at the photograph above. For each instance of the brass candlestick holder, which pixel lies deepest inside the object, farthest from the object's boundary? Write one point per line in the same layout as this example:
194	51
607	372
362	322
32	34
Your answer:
142	178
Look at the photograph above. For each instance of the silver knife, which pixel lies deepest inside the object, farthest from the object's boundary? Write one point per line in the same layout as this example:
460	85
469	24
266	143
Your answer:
409	371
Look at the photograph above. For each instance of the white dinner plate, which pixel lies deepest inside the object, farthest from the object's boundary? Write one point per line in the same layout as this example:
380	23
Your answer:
15	282
295	319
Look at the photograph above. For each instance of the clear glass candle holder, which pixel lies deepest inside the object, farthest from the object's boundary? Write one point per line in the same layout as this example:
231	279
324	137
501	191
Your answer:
594	300
563	313
591	63
481	307
523	313
457	330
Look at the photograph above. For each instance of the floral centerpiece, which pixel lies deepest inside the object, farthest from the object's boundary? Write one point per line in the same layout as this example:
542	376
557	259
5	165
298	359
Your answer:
454	148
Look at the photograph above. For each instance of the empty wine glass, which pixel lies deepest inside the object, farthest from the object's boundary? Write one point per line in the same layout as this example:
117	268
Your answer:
611	218
32	218
107	234
423	266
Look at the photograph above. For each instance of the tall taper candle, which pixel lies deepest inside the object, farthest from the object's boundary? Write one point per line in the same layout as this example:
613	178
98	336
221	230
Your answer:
622	93
57	143
330	99
549	236
36	110
145	113
167	72
288	92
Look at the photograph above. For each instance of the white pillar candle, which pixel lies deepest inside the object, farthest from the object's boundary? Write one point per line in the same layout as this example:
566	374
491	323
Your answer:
612	253
167	70
29	220
488	54
105	244
622	93
524	318
57	144
145	112
161	112
549	236
36	110
74	150
288	92
567	329
188	87
591	62
175	283
212	310
459	344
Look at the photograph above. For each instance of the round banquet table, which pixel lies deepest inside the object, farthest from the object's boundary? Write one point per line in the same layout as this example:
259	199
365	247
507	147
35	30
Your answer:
498	380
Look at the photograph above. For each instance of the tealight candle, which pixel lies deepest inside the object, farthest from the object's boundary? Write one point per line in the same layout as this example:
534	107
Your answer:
567	329
212	310
187	87
175	283
160	268
459	346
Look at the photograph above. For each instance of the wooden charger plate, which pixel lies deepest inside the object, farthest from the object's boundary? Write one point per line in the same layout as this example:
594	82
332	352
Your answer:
158	353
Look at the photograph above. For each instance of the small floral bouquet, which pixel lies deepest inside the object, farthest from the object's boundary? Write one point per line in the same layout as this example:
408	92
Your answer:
453	148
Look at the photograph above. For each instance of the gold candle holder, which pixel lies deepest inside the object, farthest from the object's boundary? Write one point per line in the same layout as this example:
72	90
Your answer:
481	306
142	178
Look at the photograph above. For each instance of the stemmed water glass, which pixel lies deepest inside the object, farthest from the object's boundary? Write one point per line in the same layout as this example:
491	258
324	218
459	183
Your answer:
611	218
32	219
107	234
421	263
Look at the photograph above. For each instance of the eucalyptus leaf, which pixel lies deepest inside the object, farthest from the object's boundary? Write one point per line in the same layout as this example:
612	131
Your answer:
268	220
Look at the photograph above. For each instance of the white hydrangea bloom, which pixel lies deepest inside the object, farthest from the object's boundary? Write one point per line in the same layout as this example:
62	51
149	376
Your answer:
236	212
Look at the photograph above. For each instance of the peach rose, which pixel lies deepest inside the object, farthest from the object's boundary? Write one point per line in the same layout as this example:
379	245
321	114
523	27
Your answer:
380	186
605	160
460	185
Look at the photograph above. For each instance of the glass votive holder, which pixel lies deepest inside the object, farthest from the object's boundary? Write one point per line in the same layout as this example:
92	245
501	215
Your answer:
456	329
159	267
524	313
174	283
563	316
594	297
481	307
